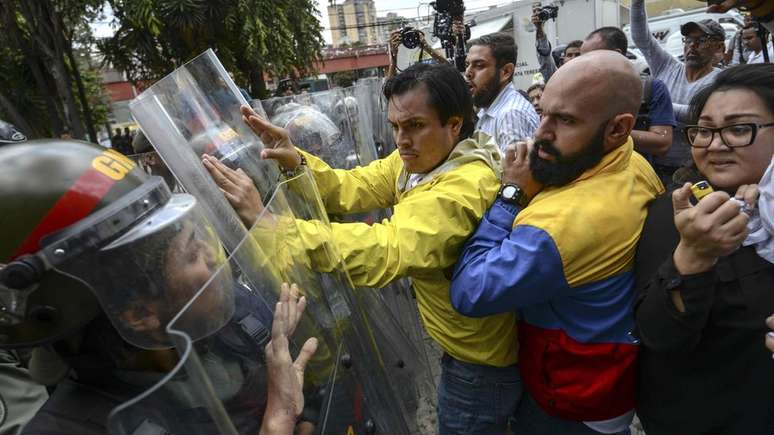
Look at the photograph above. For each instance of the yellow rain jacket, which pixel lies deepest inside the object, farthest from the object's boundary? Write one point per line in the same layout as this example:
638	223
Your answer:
430	223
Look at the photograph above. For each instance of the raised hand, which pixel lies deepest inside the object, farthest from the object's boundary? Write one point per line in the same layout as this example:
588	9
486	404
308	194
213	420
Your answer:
286	377
711	229
238	189
277	140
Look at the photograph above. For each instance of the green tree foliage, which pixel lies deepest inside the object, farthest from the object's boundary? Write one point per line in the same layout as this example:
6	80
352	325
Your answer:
45	87
250	37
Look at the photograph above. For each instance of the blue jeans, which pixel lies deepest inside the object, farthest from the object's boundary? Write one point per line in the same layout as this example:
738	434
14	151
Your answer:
476	399
530	419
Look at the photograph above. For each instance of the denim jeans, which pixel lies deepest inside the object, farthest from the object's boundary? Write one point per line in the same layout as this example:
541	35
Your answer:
476	399
530	419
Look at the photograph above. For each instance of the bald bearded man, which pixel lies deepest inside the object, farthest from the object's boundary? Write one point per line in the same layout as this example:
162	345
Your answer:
557	248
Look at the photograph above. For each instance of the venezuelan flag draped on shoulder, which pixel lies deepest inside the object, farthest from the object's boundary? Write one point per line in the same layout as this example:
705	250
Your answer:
433	215
564	264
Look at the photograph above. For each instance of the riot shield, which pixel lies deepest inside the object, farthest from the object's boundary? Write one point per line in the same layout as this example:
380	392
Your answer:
152	164
334	126
195	110
369	94
180	151
219	382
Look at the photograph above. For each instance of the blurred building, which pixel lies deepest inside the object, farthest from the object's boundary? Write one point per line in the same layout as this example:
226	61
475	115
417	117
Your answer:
353	22
387	25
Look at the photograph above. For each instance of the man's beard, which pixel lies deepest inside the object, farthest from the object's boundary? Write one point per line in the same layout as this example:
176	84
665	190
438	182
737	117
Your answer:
566	168
487	94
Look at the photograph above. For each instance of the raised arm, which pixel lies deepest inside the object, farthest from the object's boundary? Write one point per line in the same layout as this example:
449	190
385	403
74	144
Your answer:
424	234
654	53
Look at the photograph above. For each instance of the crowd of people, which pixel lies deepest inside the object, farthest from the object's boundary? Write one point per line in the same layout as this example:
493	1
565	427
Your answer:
600	248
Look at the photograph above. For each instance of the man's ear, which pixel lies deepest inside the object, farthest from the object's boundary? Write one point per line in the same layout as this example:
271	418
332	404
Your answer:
456	124
618	130
506	72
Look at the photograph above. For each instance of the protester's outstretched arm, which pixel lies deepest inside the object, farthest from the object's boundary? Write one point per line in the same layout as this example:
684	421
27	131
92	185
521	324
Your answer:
342	191
656	56
423	234
285	376
543	47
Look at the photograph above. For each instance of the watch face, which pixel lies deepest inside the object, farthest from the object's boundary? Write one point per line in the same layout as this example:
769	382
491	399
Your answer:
509	192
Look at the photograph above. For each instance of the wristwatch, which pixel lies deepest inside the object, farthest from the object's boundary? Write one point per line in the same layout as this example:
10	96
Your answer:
512	194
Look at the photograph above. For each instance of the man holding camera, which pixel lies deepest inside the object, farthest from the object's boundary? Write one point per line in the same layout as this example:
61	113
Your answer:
503	113
410	38
545	57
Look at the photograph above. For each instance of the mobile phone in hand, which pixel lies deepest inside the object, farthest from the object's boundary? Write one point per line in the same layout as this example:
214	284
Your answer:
701	189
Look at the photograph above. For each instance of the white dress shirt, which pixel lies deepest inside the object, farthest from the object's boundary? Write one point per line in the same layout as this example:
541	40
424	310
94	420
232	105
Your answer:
510	118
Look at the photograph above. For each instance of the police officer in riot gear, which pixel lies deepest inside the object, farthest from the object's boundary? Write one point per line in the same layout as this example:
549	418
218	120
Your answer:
99	264
20	396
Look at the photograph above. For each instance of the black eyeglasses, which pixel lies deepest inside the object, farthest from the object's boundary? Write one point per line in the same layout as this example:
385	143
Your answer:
733	136
688	40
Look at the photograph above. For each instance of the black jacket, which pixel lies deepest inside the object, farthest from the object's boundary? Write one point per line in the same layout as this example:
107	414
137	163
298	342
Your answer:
705	371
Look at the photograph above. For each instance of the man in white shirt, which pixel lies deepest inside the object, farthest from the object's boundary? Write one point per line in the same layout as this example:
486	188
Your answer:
502	112
752	41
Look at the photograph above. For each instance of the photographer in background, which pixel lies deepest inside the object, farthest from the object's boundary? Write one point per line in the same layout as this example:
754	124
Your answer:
410	38
547	64
753	38
503	113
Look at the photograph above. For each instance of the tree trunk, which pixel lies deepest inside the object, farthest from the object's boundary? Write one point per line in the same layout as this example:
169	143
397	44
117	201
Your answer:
81	92
258	86
39	15
16	118
33	60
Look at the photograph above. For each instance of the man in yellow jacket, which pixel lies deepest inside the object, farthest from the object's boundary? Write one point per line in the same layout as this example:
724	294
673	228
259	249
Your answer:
440	181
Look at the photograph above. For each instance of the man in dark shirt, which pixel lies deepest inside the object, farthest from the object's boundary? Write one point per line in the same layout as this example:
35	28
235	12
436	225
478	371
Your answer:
656	119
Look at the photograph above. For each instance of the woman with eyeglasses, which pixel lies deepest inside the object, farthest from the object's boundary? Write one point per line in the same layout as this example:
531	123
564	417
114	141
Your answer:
704	291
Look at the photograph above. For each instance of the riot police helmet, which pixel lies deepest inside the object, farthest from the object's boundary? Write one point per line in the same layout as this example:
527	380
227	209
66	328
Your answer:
84	231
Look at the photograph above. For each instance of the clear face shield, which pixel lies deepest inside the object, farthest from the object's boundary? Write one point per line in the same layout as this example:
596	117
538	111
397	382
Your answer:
145	257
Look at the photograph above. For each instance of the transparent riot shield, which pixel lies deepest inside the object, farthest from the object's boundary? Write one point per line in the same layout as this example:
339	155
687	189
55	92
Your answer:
334	126
181	154
152	164
195	110
218	385
369	93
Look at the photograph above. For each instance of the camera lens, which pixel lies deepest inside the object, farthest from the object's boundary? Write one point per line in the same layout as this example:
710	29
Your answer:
409	38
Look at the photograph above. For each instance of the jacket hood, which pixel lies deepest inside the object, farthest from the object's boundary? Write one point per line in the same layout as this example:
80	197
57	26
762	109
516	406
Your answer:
479	147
